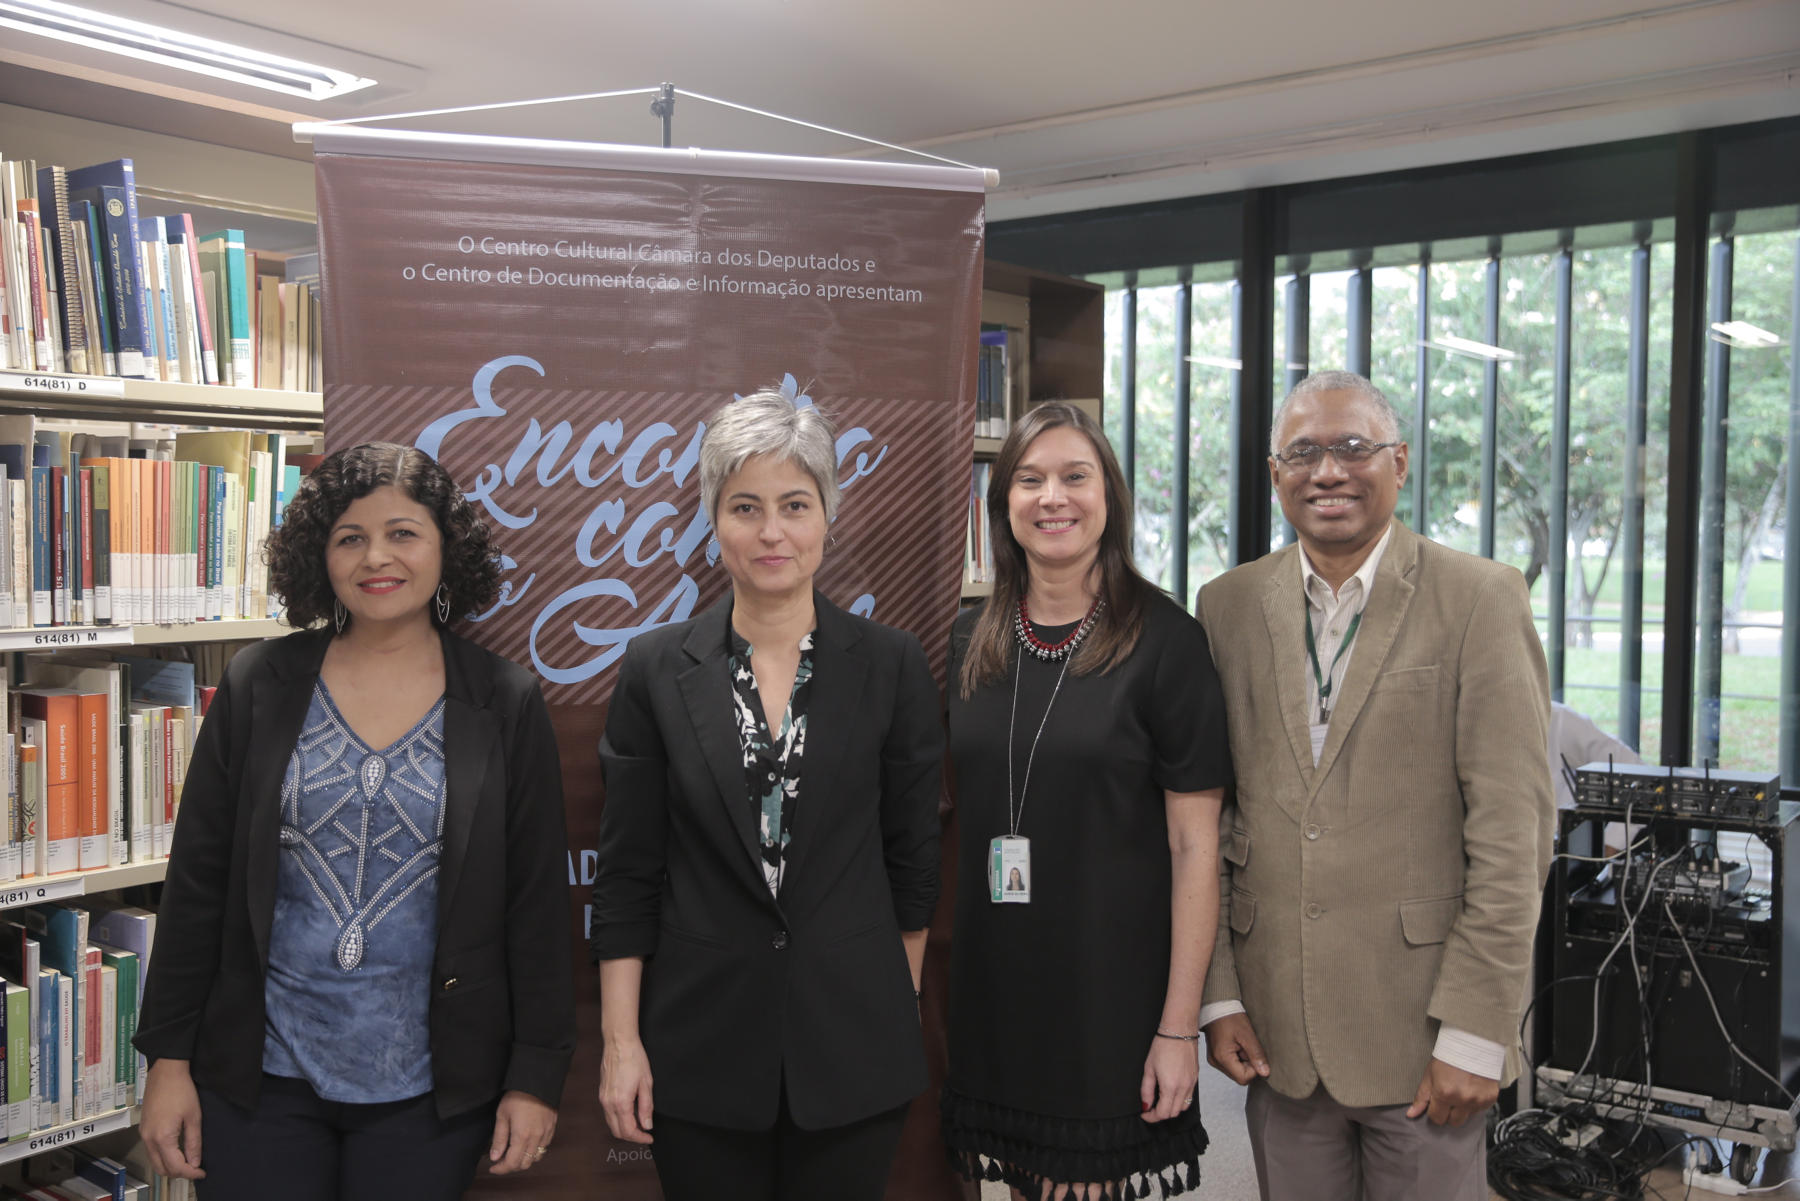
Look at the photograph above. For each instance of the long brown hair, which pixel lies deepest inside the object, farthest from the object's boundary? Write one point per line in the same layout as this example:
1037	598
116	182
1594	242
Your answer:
1124	590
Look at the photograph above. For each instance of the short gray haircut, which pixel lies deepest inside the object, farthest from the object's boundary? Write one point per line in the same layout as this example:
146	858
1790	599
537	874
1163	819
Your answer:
1339	381
768	422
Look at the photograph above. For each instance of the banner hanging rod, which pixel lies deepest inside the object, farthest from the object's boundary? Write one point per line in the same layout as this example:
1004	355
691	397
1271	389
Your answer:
662	107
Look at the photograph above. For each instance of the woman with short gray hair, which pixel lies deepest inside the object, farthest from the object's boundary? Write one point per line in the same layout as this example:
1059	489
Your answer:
759	922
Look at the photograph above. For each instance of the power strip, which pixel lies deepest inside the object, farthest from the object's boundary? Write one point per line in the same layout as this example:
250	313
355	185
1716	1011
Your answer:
1712	1182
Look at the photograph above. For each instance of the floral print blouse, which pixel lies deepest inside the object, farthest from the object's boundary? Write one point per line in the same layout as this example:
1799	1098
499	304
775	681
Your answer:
771	765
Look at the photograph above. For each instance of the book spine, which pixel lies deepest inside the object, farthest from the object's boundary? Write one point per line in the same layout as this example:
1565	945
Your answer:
209	356
68	1005
136	767
93	830
42	570
49	1044
100	541
59	545
132	330
243	364
20	515
18	1061
84	230
92	562
31	815
37	265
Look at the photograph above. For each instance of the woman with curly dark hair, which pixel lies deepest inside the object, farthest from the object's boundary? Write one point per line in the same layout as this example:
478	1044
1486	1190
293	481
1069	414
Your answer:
362	978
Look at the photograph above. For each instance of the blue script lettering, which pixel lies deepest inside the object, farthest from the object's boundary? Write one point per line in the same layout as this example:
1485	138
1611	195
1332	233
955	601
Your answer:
677	606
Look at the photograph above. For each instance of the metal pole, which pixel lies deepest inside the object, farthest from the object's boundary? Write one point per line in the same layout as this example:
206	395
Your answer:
1693	203
1709	667
664	106
1299	363
1184	434
1128	388
1360	314
1234	425
1250	536
1299	318
1490	413
1790	563
1556	554
1420	459
1631	535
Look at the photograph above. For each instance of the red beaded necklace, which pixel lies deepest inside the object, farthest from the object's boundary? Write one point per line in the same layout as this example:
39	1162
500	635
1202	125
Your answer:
1046	650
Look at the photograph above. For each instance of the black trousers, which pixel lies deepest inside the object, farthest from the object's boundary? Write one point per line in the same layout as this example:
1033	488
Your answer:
297	1146
695	1162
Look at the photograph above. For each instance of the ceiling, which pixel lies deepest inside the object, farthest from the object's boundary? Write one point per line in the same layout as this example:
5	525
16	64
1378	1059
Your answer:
1078	104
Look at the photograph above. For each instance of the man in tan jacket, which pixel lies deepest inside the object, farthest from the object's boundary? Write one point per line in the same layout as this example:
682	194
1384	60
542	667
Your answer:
1387	846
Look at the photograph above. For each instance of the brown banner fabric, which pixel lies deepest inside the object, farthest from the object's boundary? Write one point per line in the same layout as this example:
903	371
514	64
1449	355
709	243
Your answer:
557	335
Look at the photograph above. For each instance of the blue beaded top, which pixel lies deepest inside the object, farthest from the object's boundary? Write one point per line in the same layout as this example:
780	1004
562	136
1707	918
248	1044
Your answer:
355	926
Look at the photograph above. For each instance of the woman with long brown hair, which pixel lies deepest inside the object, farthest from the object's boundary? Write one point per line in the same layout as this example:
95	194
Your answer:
1087	730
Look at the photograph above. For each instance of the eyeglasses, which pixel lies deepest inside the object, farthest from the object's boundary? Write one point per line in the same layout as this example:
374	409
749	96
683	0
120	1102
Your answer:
1350	452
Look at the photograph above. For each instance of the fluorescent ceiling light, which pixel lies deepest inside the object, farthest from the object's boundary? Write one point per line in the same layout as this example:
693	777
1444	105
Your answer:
1213	360
1451	344
172	48
1744	335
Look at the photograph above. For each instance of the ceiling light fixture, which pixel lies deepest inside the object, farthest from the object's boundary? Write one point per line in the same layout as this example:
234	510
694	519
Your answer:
1451	344
1744	335
172	48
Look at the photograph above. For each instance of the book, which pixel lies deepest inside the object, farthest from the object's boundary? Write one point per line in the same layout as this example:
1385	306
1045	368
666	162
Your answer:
101	684
153	236
203	320
83	228
120	175
222	253
53	186
19	1053
119	253
269	347
124	966
50	1047
57	710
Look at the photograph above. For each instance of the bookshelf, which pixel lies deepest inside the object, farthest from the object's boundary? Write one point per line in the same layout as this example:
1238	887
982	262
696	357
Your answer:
263	187
69	1133
1056	350
107	398
71	885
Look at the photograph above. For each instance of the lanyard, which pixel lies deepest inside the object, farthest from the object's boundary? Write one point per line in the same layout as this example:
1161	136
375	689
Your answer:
1323	680
1015	809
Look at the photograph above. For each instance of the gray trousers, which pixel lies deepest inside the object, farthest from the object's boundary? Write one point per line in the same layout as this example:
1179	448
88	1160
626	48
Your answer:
1319	1150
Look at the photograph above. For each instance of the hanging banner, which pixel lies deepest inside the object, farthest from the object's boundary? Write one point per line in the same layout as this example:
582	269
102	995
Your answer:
555	322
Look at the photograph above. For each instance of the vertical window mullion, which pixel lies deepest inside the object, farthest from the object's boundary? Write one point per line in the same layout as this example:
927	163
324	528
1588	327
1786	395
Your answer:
1128	388
1631	534
1490	413
1556	554
1790	566
1184	378
1235	423
1360	315
1709	669
1418	466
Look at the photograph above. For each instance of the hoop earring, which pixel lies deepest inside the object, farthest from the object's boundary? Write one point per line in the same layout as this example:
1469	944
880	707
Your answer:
339	615
442	600
712	551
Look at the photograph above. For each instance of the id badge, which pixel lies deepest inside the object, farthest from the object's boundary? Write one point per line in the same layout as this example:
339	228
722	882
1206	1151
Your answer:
1009	870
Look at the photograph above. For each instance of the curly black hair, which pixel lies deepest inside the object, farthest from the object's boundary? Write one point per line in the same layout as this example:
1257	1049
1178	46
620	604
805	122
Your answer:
295	550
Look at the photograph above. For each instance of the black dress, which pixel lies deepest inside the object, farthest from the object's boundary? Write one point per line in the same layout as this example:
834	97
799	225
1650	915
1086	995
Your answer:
1053	1004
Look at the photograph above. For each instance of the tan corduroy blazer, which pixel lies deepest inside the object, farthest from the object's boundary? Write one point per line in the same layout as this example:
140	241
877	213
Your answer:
1394	886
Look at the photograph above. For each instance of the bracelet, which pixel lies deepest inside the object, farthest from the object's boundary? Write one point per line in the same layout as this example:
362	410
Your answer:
1182	1038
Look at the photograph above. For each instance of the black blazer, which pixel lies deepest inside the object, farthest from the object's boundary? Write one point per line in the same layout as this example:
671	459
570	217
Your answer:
502	1002
744	992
